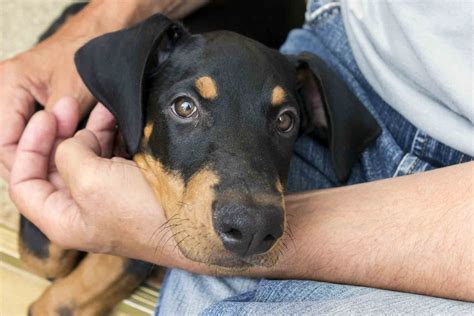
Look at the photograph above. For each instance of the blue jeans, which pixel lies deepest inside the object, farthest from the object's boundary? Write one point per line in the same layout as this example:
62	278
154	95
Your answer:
401	149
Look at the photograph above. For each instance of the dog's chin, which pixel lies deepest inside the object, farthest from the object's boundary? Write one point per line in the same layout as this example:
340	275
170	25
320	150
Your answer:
227	262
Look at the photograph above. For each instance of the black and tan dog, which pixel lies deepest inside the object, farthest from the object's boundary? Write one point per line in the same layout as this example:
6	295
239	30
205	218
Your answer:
211	120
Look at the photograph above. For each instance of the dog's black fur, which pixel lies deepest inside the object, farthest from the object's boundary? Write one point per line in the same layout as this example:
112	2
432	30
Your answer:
231	151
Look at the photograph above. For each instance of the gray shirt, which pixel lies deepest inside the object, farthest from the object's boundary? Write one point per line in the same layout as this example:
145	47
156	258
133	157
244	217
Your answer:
417	55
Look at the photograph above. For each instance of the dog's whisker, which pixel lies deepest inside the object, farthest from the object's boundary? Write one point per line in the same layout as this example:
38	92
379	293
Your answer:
160	230
168	230
162	225
179	242
161	246
172	237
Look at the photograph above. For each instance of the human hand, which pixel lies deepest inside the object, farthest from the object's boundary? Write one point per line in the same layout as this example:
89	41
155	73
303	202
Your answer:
89	202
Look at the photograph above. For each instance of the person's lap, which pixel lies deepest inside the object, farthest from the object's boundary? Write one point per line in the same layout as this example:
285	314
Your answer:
400	150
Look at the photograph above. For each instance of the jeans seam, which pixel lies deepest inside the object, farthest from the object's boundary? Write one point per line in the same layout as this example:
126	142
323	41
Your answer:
420	141
399	167
403	168
413	165
412	148
425	143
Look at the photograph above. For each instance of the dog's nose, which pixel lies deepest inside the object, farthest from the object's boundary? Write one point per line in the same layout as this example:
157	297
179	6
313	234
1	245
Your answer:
247	231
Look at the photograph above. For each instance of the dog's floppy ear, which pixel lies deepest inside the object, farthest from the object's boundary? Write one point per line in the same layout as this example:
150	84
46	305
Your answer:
113	68
333	113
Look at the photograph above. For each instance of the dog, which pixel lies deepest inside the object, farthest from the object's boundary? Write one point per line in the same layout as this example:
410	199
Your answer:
211	120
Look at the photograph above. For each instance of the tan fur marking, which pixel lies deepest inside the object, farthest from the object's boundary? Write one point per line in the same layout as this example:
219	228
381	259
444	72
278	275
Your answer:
278	96
147	131
191	204
207	88
279	187
58	264
94	288
188	207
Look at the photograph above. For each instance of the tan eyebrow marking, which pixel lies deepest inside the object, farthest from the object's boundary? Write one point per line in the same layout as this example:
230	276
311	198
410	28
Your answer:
207	88
148	130
278	96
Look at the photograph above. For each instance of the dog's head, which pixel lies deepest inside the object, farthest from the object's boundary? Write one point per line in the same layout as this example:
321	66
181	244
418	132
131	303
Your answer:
211	119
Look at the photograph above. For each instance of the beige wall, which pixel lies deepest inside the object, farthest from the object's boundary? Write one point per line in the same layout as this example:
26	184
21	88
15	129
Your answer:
22	21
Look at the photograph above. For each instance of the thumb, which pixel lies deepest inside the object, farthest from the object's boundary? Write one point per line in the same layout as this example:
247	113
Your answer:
78	157
74	88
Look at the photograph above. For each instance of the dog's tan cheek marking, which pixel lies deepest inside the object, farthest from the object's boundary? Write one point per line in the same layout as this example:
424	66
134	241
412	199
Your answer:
206	87
168	187
192	202
189	205
278	96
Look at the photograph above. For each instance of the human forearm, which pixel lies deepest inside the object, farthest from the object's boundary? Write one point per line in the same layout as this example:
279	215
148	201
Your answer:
409	234
123	13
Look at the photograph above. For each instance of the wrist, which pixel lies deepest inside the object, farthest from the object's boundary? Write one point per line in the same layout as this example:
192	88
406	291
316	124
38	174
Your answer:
117	14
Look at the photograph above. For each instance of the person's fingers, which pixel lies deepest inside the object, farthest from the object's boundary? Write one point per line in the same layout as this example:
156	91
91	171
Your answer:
51	210
16	108
67	82
88	176
35	146
103	124
29	187
66	111
75	157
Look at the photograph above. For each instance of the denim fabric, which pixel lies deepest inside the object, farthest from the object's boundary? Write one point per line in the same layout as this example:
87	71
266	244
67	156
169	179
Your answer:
400	150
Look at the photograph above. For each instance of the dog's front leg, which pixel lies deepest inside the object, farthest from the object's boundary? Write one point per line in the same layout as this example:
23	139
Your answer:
93	288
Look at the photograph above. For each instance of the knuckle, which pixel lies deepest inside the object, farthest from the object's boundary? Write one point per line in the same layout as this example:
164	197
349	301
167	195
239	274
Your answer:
87	185
13	193
58	238
84	185
17	196
7	66
61	151
9	70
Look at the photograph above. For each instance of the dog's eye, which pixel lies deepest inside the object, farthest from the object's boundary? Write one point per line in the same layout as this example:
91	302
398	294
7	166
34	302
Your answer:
184	107
285	122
